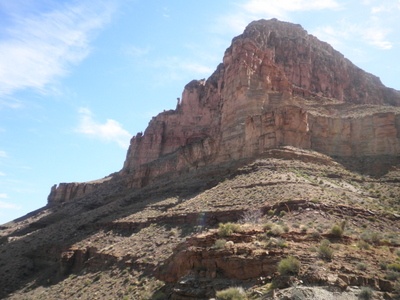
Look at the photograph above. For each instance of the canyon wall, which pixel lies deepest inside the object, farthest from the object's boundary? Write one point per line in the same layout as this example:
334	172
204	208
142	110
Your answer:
277	86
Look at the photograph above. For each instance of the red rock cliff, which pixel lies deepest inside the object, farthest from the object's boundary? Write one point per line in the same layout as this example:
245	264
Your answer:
277	86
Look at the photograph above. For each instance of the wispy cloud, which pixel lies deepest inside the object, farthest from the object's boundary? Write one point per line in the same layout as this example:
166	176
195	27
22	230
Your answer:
235	21
39	47
136	51
2	174
176	68
280	8
110	131
343	32
7	205
3	154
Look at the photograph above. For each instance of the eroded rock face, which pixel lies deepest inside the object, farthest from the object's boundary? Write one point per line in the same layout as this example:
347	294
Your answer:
277	86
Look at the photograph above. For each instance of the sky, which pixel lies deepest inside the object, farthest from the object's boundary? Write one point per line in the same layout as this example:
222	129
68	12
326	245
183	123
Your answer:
79	78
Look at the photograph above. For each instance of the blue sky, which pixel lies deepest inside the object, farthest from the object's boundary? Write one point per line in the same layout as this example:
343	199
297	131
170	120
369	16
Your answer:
79	78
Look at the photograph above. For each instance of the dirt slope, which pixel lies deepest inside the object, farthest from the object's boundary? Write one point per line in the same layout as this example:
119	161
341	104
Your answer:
159	242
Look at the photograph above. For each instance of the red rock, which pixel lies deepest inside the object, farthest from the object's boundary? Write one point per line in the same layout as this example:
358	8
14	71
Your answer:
277	86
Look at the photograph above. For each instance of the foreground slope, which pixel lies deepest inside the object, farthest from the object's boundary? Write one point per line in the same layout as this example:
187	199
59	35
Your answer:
160	242
287	139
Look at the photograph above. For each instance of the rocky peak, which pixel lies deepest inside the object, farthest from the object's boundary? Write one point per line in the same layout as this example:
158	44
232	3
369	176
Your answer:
277	86
313	67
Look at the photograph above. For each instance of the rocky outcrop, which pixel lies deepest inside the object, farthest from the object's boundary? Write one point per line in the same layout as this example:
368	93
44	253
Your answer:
277	86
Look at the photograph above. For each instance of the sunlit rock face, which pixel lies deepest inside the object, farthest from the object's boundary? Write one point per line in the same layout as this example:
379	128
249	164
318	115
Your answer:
277	86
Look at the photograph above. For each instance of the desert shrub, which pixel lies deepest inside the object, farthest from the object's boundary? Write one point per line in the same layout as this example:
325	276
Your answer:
286	229
228	229
315	235
219	244
277	242
268	226
281	243
303	228
394	267
383	265
371	237
392	275
232	293
361	266
337	230
289	266
361	244
325	250
252	216
366	293
276	230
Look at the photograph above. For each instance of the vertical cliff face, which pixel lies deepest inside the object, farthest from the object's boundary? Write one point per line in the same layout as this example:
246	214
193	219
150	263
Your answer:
277	86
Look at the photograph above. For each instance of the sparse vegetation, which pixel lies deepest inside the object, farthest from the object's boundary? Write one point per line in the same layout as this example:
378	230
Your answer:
371	237
252	216
394	267
325	250
289	266
232	293
227	229
337	231
276	230
366	293
361	266
363	245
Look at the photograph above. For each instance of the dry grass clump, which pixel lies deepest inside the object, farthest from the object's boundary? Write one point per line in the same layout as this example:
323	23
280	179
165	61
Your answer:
232	293
289	266
227	229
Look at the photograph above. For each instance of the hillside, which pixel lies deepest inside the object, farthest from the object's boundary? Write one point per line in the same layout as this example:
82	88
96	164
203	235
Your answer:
287	151
127	246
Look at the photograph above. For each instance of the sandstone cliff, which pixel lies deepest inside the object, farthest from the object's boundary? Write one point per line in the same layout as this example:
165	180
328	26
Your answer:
277	86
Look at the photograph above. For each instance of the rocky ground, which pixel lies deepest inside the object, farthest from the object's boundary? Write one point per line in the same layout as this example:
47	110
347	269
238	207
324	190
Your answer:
165	242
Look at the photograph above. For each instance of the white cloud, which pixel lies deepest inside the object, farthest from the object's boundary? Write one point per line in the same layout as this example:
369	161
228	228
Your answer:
344	32
281	7
8	205
110	131
39	47
251	10
178	65
2	174
135	51
3	154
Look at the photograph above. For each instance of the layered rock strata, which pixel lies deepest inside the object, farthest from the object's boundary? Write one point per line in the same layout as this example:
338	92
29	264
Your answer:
277	86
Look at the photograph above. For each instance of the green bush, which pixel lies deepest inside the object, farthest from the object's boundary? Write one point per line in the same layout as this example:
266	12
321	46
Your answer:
394	267
325	250
228	229
232	293
366	293
392	275
337	230
289	266
268	226
276	230
371	237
